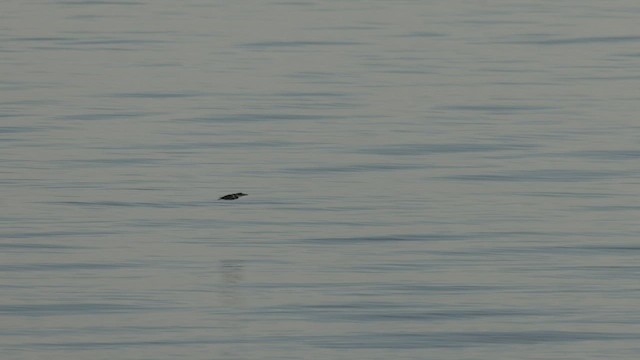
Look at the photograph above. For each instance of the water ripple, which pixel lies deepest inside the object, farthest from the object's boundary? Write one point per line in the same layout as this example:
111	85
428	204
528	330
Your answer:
381	340
425	149
552	175
56	309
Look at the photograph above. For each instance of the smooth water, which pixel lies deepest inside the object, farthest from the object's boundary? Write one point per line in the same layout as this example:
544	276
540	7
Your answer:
427	180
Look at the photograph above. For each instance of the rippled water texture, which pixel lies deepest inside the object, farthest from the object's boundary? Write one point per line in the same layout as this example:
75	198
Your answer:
427	180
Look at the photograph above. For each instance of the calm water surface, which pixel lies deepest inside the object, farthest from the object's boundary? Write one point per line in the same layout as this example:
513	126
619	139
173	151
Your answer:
427	180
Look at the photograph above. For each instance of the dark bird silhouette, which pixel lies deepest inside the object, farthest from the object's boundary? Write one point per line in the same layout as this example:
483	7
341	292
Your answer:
232	196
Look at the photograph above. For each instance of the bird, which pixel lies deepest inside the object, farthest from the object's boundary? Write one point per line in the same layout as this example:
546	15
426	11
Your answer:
232	196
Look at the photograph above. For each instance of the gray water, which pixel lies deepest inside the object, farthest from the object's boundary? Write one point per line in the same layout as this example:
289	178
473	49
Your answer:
427	179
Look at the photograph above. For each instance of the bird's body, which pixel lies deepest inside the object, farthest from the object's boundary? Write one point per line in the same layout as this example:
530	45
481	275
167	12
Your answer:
232	196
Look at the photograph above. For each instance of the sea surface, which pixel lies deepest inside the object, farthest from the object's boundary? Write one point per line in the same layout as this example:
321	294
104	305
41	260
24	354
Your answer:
447	180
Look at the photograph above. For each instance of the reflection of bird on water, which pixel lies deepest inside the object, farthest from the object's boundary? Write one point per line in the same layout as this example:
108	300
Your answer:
232	305
231	271
231	274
